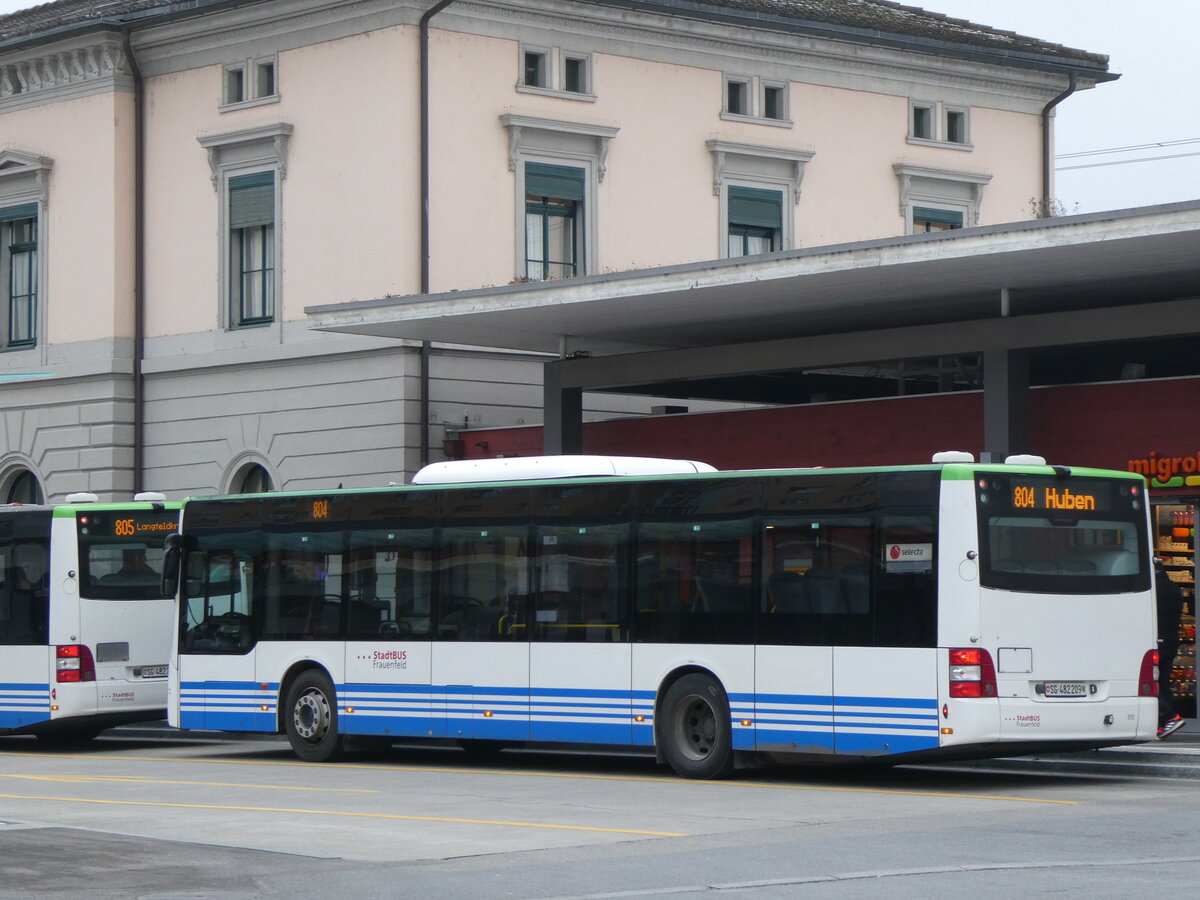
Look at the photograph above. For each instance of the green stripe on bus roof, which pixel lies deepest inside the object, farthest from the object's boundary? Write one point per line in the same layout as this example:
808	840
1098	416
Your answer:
66	510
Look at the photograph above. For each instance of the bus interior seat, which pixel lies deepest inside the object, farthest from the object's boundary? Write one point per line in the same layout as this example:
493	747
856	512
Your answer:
856	588
786	592
824	590
719	597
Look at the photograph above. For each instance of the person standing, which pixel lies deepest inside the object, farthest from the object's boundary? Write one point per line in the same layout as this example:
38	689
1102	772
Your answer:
1169	602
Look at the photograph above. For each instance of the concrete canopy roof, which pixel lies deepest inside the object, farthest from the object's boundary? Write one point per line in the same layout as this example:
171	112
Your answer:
1075	263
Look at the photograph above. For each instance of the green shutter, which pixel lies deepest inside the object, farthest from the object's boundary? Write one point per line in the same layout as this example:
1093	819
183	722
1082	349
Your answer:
755	206
940	216
560	182
252	200
24	211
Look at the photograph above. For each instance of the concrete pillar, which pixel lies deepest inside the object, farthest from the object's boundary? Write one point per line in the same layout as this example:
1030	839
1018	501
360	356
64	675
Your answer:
1005	404
562	413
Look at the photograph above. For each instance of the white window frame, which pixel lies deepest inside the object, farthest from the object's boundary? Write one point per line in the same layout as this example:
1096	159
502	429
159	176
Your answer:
252	83
755	88
754	166
559	143
248	152
939	124
554	70
25	179
940	189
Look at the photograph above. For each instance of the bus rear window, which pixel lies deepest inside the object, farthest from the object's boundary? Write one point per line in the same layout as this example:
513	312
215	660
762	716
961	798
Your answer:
1046	535
121	553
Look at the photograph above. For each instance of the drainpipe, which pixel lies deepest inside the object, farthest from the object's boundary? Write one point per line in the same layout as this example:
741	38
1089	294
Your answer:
1047	155
424	128
139	267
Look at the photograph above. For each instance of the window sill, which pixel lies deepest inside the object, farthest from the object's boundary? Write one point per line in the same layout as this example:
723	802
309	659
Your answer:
756	120
248	104
944	145
549	92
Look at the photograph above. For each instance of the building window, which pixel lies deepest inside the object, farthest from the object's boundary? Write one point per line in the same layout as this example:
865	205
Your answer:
926	219
737	97
575	74
754	98
248	171
553	220
252	249
758	188
254	479
937	123
250	82
19	275
558	167
23	487
774	105
755	220
535	69
939	199
555	72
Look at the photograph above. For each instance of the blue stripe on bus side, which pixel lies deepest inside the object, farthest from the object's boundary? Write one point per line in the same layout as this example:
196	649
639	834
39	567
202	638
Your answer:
580	715
23	704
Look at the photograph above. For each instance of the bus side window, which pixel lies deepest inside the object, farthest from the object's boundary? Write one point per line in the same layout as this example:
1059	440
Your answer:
24	594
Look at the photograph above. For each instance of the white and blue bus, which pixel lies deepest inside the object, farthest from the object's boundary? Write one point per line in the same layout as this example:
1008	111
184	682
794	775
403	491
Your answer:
85	633
888	614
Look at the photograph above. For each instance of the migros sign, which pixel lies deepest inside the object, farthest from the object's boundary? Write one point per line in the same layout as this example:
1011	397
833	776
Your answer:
1168	471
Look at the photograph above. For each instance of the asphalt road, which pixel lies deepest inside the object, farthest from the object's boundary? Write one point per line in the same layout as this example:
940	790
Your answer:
171	819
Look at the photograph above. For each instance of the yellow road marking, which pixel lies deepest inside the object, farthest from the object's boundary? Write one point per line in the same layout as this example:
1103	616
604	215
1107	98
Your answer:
444	770
347	814
132	779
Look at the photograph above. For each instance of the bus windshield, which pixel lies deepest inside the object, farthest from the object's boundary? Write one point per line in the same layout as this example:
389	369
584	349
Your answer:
1049	535
121	553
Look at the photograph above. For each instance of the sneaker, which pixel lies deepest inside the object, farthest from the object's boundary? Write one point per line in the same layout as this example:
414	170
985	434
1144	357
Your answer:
1170	726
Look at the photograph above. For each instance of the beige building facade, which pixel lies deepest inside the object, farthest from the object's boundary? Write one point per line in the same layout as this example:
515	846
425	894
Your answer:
177	187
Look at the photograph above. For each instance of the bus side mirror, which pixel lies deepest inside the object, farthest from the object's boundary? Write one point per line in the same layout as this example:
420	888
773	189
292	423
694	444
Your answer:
171	564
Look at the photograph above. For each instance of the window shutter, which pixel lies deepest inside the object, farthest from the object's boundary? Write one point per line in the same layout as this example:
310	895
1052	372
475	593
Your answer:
755	206
940	216
24	211
560	182
252	200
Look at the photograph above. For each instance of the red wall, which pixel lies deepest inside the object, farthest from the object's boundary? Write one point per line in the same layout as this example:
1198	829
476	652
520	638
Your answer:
1104	425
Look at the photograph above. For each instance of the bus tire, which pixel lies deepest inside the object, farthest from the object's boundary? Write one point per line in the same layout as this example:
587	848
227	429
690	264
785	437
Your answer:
694	728
310	718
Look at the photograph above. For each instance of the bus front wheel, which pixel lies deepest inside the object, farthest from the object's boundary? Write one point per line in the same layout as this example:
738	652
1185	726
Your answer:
311	719
694	728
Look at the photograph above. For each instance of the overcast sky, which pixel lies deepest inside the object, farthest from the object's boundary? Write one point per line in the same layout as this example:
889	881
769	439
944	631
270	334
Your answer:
1153	109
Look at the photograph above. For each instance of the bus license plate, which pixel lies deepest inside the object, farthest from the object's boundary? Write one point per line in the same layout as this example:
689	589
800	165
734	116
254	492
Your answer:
154	671
1064	689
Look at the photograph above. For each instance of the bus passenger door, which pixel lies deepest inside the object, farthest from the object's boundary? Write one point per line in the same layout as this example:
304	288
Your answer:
480	653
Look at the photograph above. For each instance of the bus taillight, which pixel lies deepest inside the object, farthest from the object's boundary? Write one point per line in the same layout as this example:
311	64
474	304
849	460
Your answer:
1148	677
74	663
971	673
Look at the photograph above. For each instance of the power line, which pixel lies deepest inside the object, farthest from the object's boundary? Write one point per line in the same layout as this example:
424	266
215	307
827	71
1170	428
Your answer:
1122	162
1129	149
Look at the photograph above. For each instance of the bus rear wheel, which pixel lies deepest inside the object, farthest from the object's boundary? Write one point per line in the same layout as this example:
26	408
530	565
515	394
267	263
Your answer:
310	718
695	730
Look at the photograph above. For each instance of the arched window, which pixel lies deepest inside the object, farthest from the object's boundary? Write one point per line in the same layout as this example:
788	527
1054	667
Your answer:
23	487
253	479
